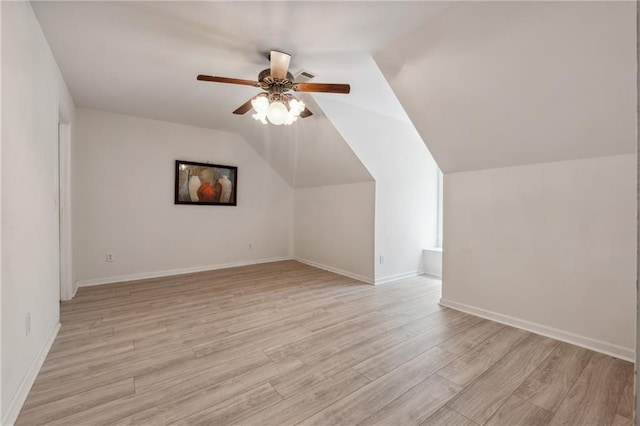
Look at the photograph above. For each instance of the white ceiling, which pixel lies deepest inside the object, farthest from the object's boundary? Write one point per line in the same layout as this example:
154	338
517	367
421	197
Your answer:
142	59
487	84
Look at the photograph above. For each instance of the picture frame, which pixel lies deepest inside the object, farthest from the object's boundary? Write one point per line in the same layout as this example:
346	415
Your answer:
205	184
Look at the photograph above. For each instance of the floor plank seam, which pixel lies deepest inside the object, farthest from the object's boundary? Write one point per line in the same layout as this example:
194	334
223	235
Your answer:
407	391
566	394
477	344
620	402
488	370
499	407
532	372
460	414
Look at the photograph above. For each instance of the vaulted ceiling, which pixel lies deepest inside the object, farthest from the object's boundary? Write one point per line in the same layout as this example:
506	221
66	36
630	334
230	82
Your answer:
142	58
486	84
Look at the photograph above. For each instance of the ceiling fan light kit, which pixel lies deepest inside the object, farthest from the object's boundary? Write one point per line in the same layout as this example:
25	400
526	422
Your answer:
276	111
275	105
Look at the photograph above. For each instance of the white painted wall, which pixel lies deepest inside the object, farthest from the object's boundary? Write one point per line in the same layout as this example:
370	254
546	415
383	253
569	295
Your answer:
406	185
123	201
503	84
1	137
550	245
334	228
637	358
33	95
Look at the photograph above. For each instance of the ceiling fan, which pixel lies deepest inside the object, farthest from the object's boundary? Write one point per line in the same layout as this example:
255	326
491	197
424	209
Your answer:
275	103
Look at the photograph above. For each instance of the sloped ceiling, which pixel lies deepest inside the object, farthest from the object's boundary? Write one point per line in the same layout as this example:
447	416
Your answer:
493	84
141	58
486	84
308	153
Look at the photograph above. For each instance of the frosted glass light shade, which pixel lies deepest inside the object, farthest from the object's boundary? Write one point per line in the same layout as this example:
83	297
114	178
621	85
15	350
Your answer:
260	106
277	113
295	109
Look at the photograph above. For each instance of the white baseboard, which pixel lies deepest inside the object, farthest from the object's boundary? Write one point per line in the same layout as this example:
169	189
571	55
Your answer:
434	276
25	386
171	272
358	277
586	342
75	290
396	277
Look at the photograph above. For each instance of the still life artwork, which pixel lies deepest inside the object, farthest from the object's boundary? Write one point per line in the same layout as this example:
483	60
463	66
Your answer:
207	184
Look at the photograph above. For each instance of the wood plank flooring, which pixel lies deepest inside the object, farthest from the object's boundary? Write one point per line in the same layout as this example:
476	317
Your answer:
285	344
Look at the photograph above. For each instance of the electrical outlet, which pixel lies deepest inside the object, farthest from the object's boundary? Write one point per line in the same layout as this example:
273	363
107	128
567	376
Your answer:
381	259
250	246
27	324
110	258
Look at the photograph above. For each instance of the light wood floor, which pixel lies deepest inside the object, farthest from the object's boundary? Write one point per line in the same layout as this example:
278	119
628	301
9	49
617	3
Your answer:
284	344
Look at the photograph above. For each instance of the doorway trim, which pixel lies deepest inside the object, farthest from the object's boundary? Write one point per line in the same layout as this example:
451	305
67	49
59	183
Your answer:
67	288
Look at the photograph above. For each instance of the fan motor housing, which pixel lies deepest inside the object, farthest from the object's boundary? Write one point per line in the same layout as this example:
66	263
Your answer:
267	73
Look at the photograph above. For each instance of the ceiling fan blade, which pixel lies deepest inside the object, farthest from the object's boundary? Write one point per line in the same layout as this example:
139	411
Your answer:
228	80
306	113
322	87
279	64
245	107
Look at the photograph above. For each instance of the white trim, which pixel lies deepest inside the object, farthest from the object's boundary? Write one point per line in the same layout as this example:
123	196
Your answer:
1	283
64	198
435	276
27	381
396	277
171	272
433	249
440	206
358	277
75	290
606	348
432	276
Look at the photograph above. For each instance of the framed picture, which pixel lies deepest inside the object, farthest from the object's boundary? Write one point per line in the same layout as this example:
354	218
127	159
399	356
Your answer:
206	184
